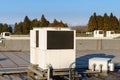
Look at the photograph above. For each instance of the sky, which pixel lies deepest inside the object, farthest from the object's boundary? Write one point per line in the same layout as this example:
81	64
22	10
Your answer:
72	12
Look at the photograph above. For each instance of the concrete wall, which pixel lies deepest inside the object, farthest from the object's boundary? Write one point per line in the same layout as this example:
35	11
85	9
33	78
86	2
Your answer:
85	44
15	45
81	44
97	44
111	44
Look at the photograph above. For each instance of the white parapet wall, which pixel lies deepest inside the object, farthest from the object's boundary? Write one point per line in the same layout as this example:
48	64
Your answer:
93	38
116	35
52	46
19	37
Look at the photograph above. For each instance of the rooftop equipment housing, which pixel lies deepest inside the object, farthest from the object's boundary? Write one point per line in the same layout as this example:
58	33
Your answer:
5	35
52	46
98	33
110	33
101	64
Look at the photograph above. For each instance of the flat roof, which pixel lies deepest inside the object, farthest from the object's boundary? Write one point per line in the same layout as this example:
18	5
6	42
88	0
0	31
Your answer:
14	59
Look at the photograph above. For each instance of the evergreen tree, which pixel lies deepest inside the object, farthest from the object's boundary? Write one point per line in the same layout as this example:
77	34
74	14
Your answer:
1	27
103	22
18	29
26	25
111	21
10	29
92	24
119	26
100	22
21	28
54	24
15	28
44	22
61	24
58	24
106	22
5	28
35	23
115	23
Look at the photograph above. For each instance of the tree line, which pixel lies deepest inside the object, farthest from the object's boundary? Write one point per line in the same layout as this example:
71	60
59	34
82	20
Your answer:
5	28
105	22
96	22
25	26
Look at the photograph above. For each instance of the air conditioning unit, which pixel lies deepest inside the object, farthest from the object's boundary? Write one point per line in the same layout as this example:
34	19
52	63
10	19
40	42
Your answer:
52	46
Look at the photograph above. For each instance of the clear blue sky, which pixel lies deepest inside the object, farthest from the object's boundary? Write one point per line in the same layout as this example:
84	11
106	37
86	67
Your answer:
73	12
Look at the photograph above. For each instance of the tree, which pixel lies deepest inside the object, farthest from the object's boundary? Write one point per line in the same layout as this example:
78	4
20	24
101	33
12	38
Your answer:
10	29
119	26
103	22
106	22
18	29
5	28
1	27
35	23
115	23
44	22
111	21
100	23
26	25
54	24
93	24
15	28
61	24
58	24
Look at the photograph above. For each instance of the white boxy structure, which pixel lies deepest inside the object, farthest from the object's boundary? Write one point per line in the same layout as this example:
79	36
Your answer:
52	46
101	64
110	33
5	35
98	33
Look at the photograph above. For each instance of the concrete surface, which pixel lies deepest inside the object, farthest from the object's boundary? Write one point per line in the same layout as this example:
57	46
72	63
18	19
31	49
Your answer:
81	44
84	55
11	60
14	59
22	59
15	45
98	44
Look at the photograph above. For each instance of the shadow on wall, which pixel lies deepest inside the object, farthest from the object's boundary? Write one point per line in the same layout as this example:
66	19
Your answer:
82	61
